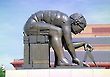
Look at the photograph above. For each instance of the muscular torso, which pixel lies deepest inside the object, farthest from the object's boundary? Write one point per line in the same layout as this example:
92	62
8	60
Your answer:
56	18
53	17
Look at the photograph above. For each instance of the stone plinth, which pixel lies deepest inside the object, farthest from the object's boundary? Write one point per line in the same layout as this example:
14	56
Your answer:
36	52
59	73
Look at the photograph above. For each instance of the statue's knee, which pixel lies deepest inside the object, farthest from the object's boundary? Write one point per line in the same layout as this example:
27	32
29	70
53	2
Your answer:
59	32
56	32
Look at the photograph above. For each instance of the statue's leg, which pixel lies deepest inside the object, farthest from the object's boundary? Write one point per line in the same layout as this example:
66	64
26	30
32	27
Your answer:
56	34
76	45
74	58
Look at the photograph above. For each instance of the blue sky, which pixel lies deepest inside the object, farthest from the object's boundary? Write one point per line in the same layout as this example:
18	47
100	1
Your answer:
14	13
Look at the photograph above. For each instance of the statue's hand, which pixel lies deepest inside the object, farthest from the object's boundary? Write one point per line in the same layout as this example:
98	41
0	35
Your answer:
88	47
77	61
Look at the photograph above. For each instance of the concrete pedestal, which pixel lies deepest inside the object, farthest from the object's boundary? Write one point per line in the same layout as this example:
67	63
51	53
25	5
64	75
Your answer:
59	73
36	52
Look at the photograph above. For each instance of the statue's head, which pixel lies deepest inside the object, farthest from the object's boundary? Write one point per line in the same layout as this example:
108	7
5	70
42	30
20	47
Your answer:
78	23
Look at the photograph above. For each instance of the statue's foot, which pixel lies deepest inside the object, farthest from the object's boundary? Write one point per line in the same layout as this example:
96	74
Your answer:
63	62
76	61
86	65
73	64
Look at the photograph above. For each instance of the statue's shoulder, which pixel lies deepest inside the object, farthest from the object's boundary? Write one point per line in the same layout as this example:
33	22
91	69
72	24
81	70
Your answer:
51	11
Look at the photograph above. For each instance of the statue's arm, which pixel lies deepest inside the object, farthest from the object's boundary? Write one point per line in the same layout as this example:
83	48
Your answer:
68	39
83	44
78	44
87	47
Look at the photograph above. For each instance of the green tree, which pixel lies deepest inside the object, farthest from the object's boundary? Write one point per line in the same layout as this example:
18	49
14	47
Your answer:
2	73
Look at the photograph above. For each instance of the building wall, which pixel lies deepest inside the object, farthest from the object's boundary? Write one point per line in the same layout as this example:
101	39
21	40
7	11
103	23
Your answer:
96	34
94	30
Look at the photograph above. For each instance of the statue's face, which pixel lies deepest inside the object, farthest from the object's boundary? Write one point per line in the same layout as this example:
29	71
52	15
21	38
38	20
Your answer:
76	29
78	23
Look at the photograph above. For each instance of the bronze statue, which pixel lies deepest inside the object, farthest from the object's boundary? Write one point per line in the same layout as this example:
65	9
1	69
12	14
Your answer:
58	27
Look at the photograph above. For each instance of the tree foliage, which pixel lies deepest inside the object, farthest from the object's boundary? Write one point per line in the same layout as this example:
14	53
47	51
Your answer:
2	73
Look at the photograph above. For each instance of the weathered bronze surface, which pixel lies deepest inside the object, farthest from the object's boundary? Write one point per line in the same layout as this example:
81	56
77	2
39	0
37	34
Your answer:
53	29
